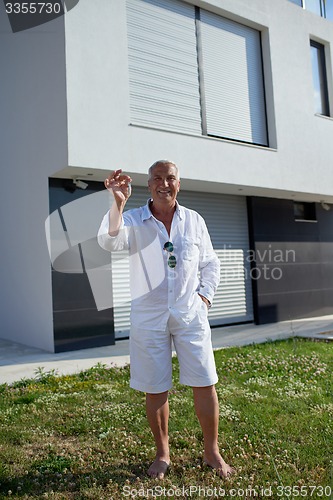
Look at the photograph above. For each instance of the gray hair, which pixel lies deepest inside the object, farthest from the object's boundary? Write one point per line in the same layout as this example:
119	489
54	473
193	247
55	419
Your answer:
162	162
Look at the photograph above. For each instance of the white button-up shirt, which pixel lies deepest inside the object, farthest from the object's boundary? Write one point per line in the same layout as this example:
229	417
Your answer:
157	290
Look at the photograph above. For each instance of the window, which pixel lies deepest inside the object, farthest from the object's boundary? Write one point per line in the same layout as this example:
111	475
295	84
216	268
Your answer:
314	6
163	72
305	211
232	72
297	2
323	8
196	72
328	5
319	78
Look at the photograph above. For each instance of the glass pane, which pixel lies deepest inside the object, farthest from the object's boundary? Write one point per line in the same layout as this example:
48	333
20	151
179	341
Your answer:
305	211
318	81
314	6
299	211
297	2
329	9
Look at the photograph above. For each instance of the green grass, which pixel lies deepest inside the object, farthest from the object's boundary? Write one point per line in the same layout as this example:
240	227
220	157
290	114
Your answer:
85	436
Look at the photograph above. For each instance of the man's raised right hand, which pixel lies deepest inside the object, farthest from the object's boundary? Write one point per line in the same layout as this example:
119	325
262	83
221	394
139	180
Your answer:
119	185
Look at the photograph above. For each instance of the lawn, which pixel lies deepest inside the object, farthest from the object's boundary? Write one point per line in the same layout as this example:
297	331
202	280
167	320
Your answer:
85	436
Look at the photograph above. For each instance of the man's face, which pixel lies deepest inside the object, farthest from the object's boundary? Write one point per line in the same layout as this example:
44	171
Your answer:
164	183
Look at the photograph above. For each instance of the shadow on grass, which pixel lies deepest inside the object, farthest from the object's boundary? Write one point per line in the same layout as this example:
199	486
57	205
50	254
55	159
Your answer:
70	483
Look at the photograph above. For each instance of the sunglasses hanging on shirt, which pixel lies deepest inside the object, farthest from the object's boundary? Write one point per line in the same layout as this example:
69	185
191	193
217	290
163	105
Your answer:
172	261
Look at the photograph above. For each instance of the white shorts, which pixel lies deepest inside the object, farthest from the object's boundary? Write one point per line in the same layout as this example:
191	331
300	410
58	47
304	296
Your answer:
151	355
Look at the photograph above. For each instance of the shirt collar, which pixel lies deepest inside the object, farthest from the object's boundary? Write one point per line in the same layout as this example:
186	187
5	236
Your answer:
146	212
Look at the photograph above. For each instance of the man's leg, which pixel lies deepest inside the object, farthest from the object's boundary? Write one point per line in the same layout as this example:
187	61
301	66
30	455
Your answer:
157	408
207	410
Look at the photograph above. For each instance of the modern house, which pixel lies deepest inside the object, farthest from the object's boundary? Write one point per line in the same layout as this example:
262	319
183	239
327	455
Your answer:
239	94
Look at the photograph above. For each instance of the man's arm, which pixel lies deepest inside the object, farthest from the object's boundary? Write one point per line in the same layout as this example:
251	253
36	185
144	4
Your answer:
109	236
209	266
119	185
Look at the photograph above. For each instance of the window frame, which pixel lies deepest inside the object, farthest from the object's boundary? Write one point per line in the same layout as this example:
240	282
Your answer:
322	69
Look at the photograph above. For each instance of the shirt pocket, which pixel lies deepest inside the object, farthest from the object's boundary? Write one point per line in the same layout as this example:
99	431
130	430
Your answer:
190	249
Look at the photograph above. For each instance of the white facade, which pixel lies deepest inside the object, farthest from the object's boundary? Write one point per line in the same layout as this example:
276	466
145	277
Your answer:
101	137
65	111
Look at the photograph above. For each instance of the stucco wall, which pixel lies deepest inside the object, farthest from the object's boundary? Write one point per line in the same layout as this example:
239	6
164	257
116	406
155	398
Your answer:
33	145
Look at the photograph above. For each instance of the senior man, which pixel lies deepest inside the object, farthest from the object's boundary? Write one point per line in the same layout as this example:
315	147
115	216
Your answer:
169	245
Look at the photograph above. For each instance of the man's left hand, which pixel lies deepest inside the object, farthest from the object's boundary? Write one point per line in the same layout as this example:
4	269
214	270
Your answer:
206	301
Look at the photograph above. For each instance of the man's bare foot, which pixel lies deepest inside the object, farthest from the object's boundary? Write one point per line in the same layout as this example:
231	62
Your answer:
158	468
216	462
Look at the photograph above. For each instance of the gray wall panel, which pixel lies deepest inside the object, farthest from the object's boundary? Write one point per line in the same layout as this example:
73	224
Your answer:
305	286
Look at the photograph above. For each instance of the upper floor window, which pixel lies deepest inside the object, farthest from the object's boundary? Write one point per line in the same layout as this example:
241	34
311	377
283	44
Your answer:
319	78
315	6
195	72
323	8
329	9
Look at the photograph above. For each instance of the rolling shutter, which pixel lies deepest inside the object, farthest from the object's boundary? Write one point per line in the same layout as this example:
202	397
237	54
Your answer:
233	88
163	67
226	219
